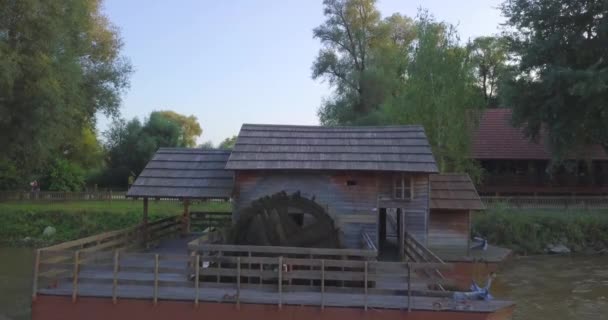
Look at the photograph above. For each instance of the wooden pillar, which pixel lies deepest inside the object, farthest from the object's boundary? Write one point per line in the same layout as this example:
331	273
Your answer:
186	218
382	228
401	232
145	234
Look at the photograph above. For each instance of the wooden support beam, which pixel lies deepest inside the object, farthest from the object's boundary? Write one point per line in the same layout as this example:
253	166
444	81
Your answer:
280	282
409	288
365	285
115	276
238	283
197	272
155	279
186	218
36	271
75	275
145	223
322	284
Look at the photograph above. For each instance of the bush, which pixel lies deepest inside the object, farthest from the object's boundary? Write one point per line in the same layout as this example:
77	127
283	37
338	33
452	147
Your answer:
65	176
530	232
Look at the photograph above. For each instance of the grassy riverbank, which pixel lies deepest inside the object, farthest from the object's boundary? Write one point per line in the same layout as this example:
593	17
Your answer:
531	231
22	223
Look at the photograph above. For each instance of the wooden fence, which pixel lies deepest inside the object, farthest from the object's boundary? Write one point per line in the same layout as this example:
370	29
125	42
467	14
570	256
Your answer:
74	196
546	202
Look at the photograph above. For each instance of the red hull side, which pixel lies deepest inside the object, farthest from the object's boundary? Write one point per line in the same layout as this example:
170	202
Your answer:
62	308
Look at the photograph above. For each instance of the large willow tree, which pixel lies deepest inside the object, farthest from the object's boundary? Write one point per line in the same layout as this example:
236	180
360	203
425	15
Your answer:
60	65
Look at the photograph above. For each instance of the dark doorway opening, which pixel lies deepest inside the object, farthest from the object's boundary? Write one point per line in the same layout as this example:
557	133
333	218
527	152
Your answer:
389	234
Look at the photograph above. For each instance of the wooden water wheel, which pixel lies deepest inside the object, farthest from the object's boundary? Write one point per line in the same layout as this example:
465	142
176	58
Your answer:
285	220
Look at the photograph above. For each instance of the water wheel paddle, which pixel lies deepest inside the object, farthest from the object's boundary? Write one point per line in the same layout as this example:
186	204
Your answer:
285	220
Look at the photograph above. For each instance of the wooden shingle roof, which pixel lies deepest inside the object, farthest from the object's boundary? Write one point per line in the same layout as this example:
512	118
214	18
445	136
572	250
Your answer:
286	147
185	173
454	192
496	138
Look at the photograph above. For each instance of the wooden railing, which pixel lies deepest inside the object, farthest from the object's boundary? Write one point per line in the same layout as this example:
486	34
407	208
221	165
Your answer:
62	196
294	281
200	221
121	239
199	246
419	253
367	242
546	202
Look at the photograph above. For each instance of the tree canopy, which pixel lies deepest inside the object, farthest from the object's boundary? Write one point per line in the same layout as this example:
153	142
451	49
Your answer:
60	65
190	127
489	56
398	70
561	82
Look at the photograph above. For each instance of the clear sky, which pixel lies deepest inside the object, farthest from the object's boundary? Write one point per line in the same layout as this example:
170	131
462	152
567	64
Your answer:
230	62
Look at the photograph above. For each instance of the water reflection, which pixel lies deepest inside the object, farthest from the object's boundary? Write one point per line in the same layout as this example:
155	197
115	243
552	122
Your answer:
15	283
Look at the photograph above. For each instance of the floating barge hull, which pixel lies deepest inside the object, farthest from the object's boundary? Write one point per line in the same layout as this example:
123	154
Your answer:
49	307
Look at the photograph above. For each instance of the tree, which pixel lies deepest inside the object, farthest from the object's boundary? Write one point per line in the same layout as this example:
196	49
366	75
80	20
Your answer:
60	65
561	83
346	37
191	129
228	143
489	56
439	94
207	145
131	145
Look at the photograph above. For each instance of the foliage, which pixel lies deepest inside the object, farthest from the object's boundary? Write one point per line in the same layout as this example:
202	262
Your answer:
207	145
489	55
346	36
130	145
60	65
439	94
79	219
9	175
399	70
64	176
191	129
561	83
228	143
530	232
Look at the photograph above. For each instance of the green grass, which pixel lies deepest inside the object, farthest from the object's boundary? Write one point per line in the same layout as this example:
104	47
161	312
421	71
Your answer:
530	231
23	222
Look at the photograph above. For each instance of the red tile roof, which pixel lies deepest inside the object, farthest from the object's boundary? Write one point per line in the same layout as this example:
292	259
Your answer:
496	138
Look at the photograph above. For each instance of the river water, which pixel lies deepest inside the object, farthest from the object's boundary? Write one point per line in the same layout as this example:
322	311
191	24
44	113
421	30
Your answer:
544	287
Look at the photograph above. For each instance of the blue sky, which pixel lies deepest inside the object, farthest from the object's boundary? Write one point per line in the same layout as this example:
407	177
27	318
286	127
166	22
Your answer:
243	61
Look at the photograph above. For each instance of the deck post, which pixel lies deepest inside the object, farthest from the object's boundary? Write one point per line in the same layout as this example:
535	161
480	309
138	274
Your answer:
145	223
197	272
75	275
322	284
365	284
238	283
115	276
280	282
409	288
186	218
36	271
155	279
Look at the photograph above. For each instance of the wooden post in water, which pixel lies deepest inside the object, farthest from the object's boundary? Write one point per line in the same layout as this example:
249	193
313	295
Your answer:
36	271
197	272
75	275
115	277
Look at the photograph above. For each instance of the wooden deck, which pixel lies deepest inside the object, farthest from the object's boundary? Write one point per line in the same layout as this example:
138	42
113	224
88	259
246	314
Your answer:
278	276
